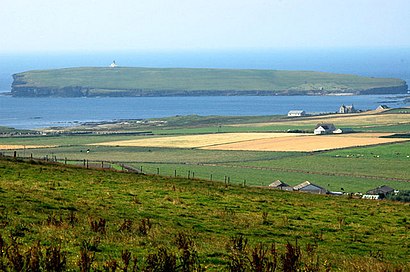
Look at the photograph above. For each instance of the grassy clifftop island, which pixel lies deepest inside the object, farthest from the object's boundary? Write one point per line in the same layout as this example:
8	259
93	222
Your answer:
128	81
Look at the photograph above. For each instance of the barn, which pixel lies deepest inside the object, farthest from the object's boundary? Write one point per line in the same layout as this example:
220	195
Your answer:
309	187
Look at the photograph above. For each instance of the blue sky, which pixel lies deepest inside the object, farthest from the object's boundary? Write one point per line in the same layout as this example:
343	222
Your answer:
101	25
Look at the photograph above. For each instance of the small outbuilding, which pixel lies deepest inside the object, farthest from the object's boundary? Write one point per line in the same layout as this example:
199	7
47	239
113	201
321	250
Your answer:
280	185
296	113
321	129
382	107
342	130
309	187
381	191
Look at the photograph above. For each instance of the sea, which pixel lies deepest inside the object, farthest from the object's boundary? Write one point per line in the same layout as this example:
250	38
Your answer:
30	113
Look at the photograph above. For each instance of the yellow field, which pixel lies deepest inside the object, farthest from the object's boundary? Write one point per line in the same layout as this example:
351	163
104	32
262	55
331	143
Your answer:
261	141
197	141
308	143
12	147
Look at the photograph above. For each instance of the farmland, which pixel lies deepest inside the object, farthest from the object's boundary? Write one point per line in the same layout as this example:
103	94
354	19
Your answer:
256	152
201	184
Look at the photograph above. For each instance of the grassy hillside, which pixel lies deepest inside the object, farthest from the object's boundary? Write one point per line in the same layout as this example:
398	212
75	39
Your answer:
96	217
121	81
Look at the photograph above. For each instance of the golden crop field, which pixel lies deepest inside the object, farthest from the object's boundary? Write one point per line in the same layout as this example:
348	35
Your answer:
197	141
261	141
13	147
309	143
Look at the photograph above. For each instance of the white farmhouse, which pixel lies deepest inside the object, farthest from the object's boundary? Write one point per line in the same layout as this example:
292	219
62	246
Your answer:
324	129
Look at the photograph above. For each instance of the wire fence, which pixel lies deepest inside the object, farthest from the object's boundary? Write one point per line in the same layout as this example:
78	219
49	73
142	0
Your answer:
130	167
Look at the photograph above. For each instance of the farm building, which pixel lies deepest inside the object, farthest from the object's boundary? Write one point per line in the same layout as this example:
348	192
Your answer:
296	113
324	129
309	187
382	107
347	109
342	130
381	191
280	185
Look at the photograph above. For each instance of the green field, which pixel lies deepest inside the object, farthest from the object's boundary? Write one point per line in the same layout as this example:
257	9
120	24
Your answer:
48	206
353	169
129	81
207	198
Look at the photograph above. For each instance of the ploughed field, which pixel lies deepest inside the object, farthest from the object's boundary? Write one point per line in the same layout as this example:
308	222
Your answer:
261	141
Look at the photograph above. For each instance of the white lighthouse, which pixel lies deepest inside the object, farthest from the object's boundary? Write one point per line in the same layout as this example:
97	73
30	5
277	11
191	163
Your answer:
113	64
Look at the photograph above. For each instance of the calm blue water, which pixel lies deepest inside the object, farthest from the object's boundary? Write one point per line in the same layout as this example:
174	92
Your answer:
42	112
45	112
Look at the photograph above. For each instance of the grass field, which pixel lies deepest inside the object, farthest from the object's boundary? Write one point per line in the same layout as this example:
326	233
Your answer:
98	81
175	149
59	206
206	197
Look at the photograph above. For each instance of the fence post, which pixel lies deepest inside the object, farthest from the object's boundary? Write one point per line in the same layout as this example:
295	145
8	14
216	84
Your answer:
189	174
211	177
15	154
175	173
141	169
102	164
65	160
157	170
193	175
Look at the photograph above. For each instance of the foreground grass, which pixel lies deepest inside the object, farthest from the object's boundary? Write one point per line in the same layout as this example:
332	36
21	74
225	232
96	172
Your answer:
210	213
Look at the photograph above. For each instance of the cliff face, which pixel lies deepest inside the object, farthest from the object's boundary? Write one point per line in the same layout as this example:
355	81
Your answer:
86	92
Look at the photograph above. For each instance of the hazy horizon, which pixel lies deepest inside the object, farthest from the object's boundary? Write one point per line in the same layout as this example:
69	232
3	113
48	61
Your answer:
184	25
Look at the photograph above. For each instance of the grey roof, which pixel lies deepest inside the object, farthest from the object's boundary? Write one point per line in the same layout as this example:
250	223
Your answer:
383	107
278	183
380	190
296	111
302	185
325	126
305	184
